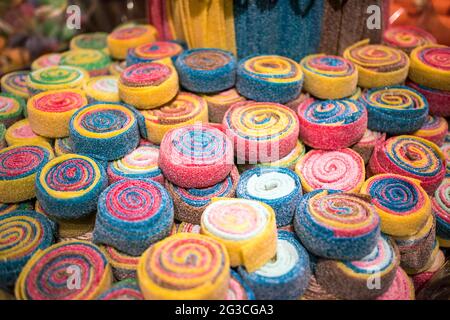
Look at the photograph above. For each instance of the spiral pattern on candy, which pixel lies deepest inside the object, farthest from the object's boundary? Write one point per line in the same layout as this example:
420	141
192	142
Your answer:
402	288
46	60
441	209
10	207
434	129
407	38
238	289
337	225
269	78
123	290
367	143
154	51
219	103
186	108
438	100
94	40
331	124
15	83
378	65
47	275
247	228
128	37
93	61
339	170
185	266
56	77
288	161
103	88
63	146
20	133
23	233
261	131
11	109
411	157
123	265
132	215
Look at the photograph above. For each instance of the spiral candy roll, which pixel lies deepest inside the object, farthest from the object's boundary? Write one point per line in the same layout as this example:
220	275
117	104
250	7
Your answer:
261	131
378	65
219	103
331	124
20	133
430	66
47	274
56	77
46	60
95	62
15	83
103	88
316	292
11	109
438	100
105	131
247	228
23	233
148	85
329	77
94	40
441	209
422	278
434	129
117	67
289	160
159	50
128	37
238	289
63	146
365	146
446	151
10	207
407	38
185	109
123	290
185	266
338	170
411	157
123	265
402	288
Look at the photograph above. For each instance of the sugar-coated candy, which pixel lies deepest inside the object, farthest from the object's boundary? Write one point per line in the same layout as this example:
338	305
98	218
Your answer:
93	40
367	143
117	67
158	50
63	146
407	38
238	289
46	60
20	133
123	290
434	129
127	37
95	62
438	100
11	109
219	103
441	209
10	207
123	265
56	77
422	278
103	88
402	288
15	83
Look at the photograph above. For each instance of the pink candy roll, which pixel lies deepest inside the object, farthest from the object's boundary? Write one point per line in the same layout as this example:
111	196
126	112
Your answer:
434	129
438	100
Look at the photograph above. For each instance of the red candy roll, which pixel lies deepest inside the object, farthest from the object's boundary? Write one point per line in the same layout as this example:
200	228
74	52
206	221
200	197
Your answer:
196	156
367	143
434	129
402	288
438	100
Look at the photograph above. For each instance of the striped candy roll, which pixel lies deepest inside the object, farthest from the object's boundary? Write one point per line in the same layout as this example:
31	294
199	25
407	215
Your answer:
190	203
329	77
124	290
402	288
49	112
402	204
434	129
148	85
206	70
105	131
185	266
128	37
261	131
123	265
286	276
438	100
338	170
364	278
219	103
288	161
293	104
95	62
279	188
238	289
421	279
11	109
441	209
336	225
63	146
46	60
247	229
269	78
56	77
367	143
446	151
18	168
23	233
158	50
185	227
411	157
142	162
117	67
195	156
185	109
395	110
331	124
103	88
430	66
20	133
132	215
68	187
94	40
378	65
10	207
316	292
15	83
407	38
49	274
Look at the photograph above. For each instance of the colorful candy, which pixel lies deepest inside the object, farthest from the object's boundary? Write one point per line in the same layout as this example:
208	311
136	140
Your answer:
402	288
11	109
123	265
159	50
104	88
407	38
238	289
125	38
219	103
434	129
15	83
438	100
422	278
20	133
10	207
56	77
46	60
95	62
441	209
117	67
367	143
63	146
94	40
123	290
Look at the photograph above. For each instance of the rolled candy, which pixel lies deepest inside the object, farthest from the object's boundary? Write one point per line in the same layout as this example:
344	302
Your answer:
269	78
357	94
238	289
185	266
132	215
148	85
56	77
339	170
411	157
402	288
195	156
247	229
94	40
395	110
430	66
367	143
288	161
11	109
441	209
402	204
10	207
438	100
117	67
185	227
364	278
279	188
68	187
105	131
63	146
316	292
95	62
46	60
422	278
293	104
407	38
329	77
123	290
3	143
23	234
186	108
286	276
128	37
18	168
190	203
21	133
331	124
103	88
261	131
219	103
123	265
434	129
446	151
16	83
158	50
49	112
378	65
336	225
48	275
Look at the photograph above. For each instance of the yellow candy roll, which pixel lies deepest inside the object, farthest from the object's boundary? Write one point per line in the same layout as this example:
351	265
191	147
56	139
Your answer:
128	37
21	133
103	88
